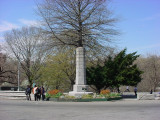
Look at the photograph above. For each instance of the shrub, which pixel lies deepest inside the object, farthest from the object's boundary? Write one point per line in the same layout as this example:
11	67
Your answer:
114	95
87	96
105	92
54	93
69	97
47	95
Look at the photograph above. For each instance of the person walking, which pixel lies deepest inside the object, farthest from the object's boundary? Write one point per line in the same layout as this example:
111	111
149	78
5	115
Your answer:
127	89
35	93
135	90
151	91
38	92
28	92
42	92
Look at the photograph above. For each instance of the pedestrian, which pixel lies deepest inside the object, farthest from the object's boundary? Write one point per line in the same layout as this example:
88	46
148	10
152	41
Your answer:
118	90
28	92
127	89
38	92
135	90
42	92
35	93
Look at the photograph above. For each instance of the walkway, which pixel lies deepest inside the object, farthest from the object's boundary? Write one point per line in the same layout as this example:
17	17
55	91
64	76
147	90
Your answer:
49	110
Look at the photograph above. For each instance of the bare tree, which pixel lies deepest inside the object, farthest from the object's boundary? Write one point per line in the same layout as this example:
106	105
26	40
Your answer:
7	70
28	46
151	76
77	22
153	71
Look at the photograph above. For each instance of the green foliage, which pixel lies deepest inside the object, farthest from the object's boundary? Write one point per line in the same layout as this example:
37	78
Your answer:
59	70
124	72
110	95
57	95
95	76
87	96
69	97
47	95
113	95
116	71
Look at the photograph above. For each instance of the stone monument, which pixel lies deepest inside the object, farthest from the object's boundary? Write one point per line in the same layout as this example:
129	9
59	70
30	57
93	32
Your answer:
80	86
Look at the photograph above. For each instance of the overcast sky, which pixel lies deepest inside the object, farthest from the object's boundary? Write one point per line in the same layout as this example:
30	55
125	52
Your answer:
139	22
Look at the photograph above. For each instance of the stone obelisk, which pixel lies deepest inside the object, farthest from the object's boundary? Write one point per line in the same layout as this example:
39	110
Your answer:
80	86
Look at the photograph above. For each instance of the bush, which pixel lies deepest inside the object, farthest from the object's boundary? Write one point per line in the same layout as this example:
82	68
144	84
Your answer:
69	97
54	93
47	95
105	92
87	96
114	95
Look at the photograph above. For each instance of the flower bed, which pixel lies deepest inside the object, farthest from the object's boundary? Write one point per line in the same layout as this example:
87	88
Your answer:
83	100
58	96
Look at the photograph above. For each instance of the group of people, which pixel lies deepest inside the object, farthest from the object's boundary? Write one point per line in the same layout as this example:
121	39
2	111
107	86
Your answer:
39	93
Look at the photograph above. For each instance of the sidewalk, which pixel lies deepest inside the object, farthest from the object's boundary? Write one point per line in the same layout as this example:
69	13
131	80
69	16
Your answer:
48	110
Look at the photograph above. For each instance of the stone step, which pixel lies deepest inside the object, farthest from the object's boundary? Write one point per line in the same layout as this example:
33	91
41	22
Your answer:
157	97
12	98
20	95
142	96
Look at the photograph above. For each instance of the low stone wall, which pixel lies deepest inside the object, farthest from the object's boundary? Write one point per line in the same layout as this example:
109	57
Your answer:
12	95
157	97
147	96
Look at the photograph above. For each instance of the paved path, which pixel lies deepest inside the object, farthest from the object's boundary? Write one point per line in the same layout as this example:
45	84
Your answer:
48	110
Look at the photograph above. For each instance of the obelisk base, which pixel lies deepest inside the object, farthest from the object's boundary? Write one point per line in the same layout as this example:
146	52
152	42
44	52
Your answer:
79	90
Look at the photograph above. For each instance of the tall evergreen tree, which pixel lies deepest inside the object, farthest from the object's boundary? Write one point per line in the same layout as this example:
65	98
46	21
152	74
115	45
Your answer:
116	71
95	76
125	71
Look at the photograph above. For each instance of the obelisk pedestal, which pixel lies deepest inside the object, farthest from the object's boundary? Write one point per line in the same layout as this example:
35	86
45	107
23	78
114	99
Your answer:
80	86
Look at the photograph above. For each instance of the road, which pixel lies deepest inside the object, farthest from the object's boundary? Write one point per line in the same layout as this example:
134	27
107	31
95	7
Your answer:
110	110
